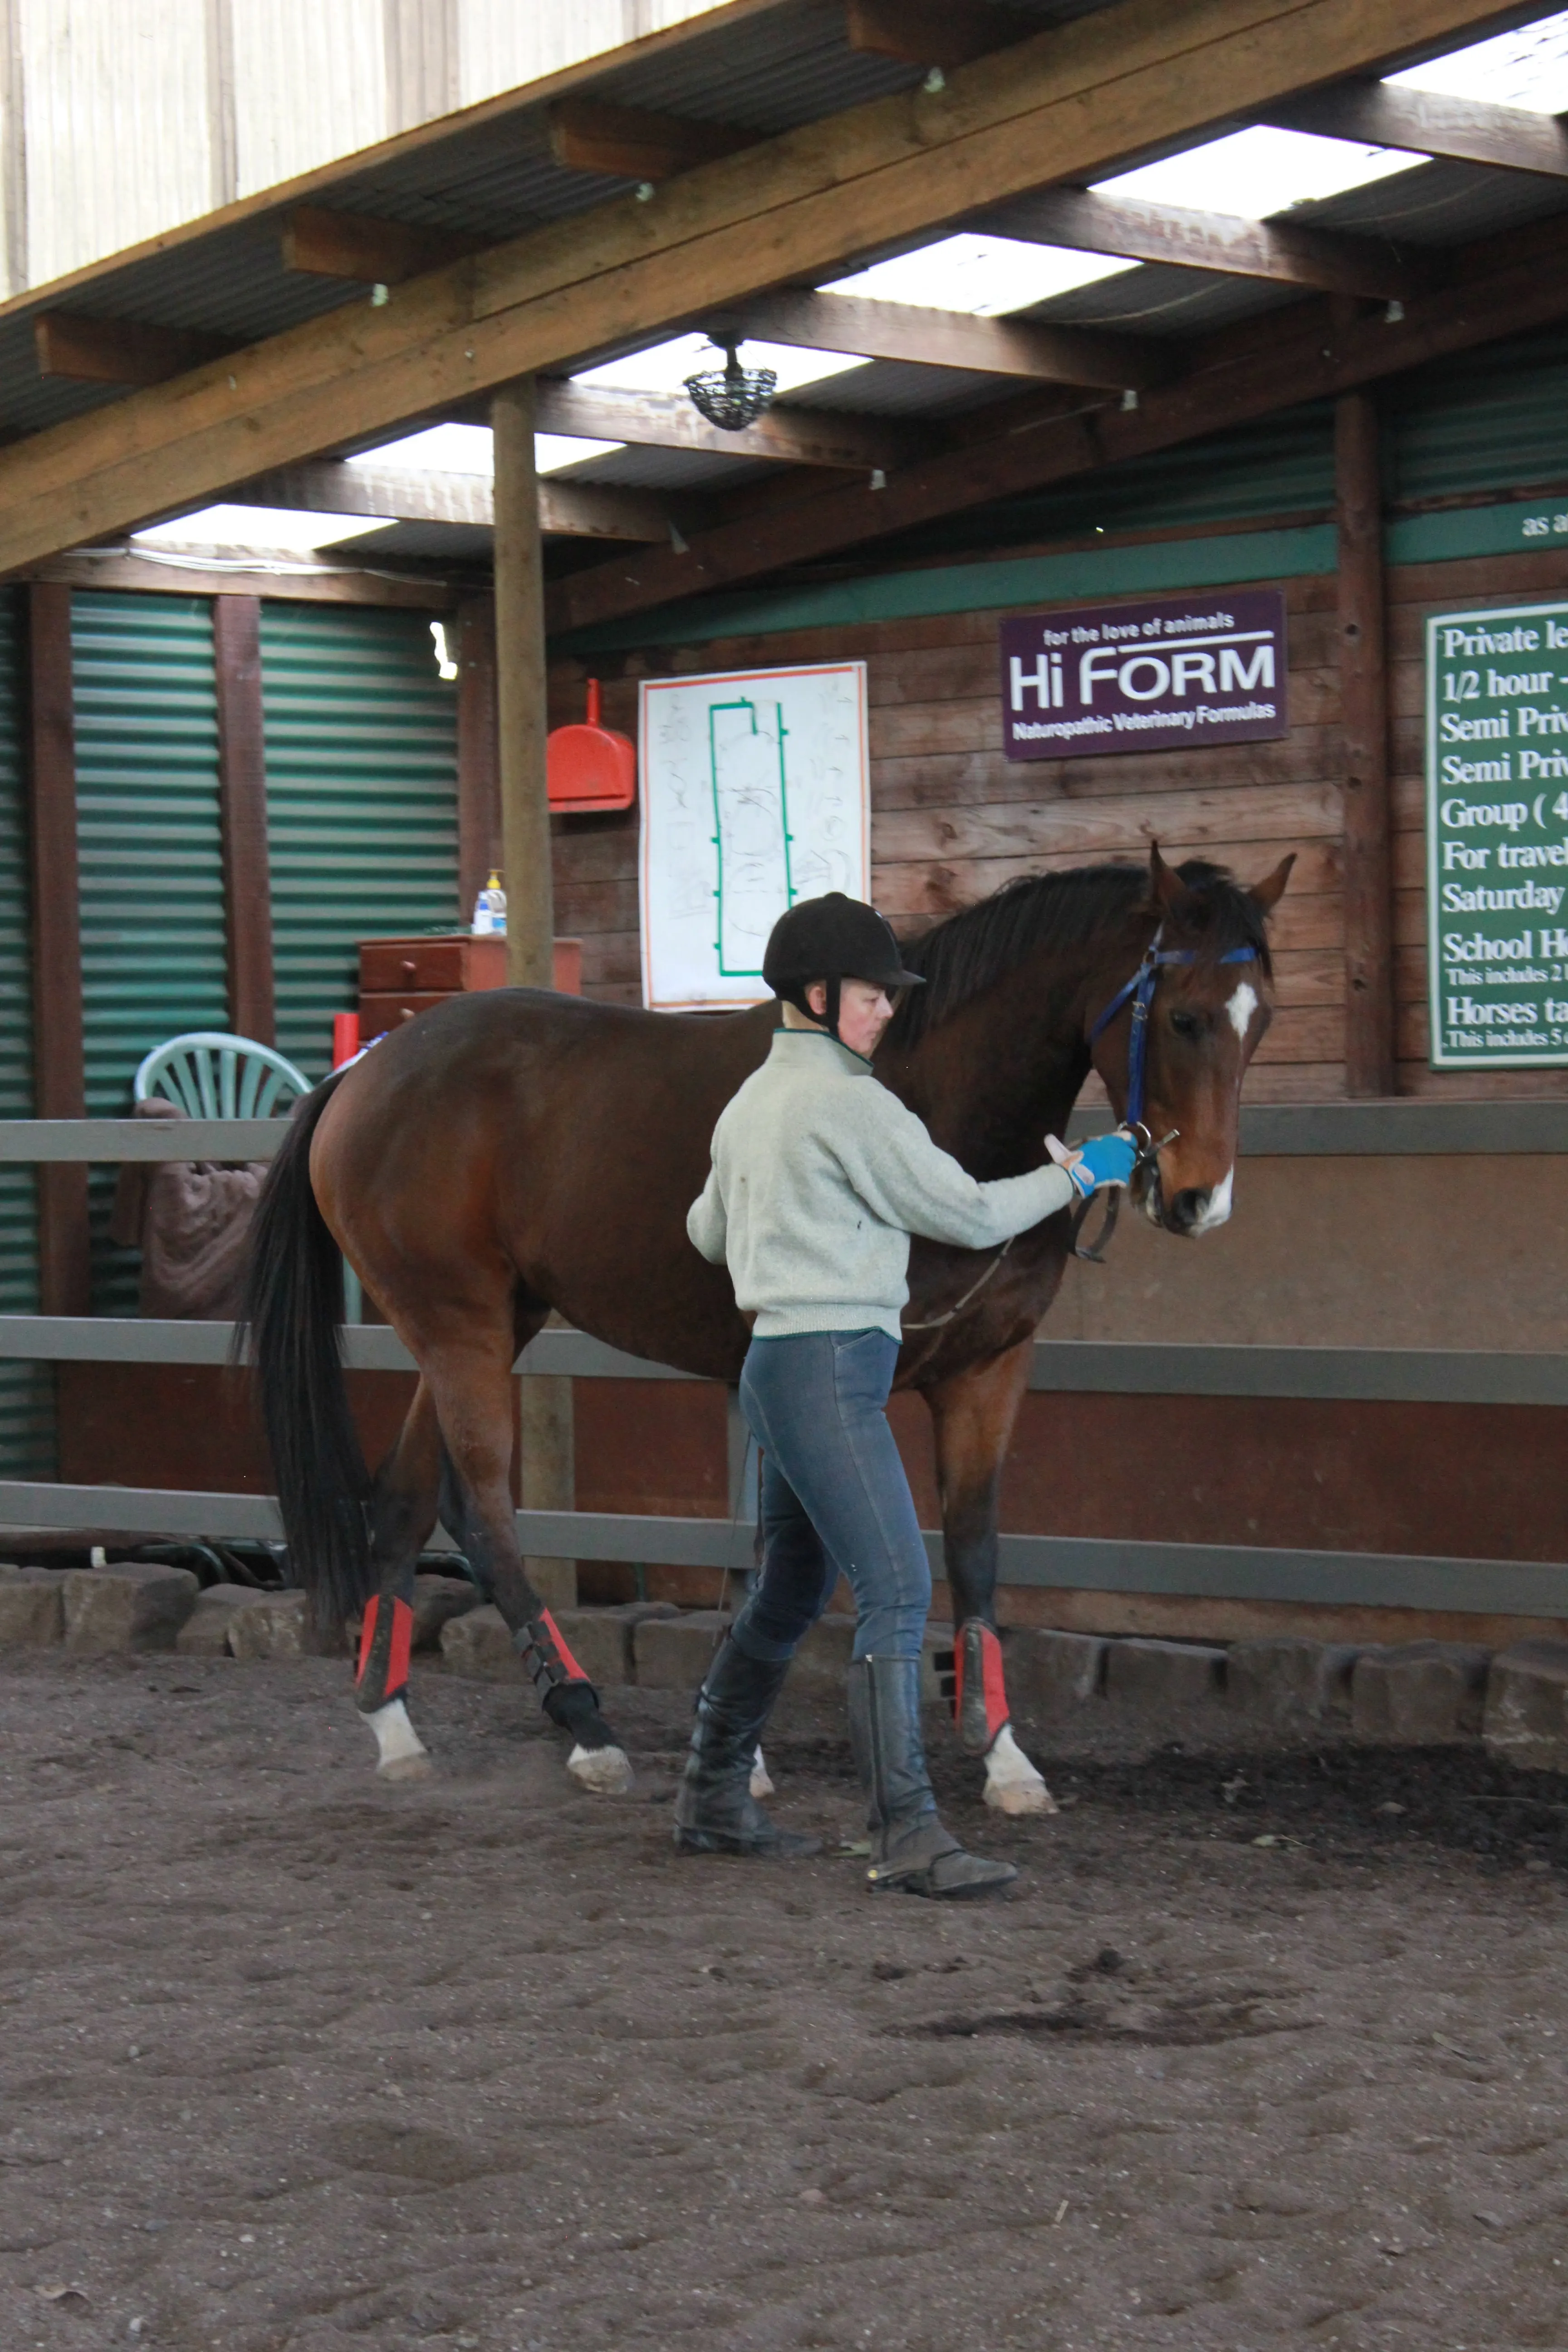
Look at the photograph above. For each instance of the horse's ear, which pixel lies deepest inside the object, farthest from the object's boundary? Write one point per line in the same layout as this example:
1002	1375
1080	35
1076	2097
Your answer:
1167	886
1266	895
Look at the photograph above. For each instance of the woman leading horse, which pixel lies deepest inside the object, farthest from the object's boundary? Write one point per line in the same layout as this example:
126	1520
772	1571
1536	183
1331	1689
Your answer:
518	1151
820	1176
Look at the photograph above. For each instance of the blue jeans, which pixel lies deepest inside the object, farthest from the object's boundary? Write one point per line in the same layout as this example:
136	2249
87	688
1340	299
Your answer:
835	1496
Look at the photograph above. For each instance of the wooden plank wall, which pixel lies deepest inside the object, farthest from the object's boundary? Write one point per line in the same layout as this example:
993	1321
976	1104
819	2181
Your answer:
952	818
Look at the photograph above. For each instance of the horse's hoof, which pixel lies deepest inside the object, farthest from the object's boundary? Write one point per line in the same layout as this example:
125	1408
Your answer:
762	1786
1020	1797
603	1771
405	1768
1012	1783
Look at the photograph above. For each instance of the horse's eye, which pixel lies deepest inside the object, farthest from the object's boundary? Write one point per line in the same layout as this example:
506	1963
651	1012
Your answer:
1185	1024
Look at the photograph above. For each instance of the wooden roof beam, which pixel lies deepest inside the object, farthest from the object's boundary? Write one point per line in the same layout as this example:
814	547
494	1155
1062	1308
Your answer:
1282	253
627	142
399	494
372	251
952	338
118	350
1066	106
396	493
1508	286
609	511
1511	138
932	32
665	420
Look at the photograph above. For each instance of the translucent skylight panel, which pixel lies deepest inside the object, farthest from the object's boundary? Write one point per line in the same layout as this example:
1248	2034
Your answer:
985	276
554	450
279	529
664	367
1527	68
1258	171
470	449
439	449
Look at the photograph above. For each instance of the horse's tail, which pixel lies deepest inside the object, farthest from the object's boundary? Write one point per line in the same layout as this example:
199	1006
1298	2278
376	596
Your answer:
292	1311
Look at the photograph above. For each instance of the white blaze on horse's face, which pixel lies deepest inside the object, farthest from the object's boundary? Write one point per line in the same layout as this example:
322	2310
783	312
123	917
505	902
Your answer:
1241	1008
1216	1208
1191	1209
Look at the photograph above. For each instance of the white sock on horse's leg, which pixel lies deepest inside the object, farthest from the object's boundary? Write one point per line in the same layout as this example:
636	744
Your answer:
762	1782
603	1771
400	1754
1012	1783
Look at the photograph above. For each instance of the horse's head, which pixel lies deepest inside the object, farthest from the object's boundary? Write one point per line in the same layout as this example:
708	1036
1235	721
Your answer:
1212	1000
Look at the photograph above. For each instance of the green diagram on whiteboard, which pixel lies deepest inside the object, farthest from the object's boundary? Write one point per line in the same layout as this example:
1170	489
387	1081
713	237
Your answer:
754	793
750	830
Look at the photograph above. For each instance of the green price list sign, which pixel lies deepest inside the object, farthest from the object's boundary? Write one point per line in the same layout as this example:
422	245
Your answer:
1497	837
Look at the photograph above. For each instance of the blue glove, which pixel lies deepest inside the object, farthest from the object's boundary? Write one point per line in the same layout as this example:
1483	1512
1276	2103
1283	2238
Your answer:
1104	1160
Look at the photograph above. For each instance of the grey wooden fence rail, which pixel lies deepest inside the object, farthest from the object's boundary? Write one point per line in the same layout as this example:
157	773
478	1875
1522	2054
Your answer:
1207	1570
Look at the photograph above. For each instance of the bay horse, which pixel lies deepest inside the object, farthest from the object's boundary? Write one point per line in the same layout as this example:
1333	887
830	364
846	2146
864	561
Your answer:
517	1152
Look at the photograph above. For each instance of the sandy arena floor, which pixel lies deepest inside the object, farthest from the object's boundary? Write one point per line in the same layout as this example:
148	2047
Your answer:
292	2061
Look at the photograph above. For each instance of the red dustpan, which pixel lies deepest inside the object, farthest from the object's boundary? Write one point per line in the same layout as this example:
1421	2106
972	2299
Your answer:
591	767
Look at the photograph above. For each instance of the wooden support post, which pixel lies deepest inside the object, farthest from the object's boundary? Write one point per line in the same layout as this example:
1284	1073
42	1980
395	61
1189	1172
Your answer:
547	1452
1364	698
521	723
242	805
479	783
59	1088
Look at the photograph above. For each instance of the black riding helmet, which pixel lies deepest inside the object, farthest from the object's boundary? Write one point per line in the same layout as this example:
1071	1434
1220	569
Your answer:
833	938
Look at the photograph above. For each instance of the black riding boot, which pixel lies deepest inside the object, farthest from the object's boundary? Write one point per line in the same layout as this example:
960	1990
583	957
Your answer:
715	1811
909	1848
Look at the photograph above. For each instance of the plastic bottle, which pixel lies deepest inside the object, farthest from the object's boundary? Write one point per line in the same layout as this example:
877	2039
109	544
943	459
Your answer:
489	910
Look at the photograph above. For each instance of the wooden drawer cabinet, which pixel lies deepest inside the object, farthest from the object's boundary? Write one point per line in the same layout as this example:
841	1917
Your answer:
399	979
449	965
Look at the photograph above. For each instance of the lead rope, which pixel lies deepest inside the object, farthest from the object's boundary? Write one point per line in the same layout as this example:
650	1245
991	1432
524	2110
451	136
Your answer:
974	1291
1147	1156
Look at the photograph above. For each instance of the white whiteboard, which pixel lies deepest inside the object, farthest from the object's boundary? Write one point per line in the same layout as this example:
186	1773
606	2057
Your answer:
755	792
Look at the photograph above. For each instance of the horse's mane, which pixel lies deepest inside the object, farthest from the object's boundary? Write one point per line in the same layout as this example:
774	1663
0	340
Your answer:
972	950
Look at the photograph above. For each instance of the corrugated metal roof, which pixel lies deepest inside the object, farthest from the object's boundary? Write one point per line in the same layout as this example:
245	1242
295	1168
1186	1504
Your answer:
643	467
1437	204
456	544
766	66
903	388
1157	299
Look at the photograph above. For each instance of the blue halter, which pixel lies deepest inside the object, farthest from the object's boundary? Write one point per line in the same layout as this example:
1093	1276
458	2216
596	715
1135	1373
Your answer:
1141	989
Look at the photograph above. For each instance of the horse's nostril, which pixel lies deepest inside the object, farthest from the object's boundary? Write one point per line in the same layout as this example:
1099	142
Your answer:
1187	1207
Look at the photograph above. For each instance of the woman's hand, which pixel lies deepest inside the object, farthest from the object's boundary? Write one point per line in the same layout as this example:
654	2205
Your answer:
1104	1160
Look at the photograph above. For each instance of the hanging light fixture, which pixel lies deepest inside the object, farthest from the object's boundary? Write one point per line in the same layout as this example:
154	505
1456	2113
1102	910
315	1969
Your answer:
732	396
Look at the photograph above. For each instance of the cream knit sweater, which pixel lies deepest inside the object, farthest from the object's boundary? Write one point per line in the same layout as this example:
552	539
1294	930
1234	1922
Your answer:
820	1175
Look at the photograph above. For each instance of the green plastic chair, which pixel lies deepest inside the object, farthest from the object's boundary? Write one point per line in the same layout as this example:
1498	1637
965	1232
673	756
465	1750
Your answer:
211	1075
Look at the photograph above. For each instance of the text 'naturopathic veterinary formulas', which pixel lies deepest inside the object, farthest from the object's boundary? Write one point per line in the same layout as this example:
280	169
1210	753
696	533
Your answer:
1497	837
1145	677
756	794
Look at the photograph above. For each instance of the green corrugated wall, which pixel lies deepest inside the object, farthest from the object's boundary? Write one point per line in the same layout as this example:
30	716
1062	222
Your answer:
26	1390
1482	420
361	799
153	950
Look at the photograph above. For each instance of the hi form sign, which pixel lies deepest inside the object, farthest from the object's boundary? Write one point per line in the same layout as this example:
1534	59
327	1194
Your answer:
1497	837
1145	677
